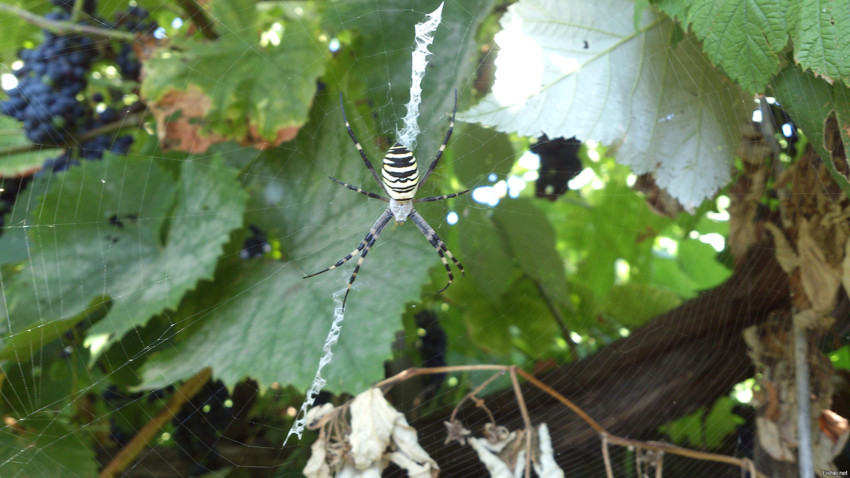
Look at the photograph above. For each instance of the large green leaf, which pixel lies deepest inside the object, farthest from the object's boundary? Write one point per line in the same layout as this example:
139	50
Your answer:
705	428
532	242
103	232
481	152
617	224
810	101
487	255
47	446
580	69
820	31
13	241
261	318
744	37
12	136
633	304
252	88
699	261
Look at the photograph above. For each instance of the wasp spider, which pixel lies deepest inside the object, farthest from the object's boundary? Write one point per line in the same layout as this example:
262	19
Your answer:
400	180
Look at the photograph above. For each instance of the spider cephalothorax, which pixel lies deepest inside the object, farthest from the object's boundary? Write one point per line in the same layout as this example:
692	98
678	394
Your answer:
400	181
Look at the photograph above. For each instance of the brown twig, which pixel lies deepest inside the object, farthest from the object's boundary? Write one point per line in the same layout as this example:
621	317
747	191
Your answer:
659	465
478	403
129	121
609	472
606	437
62	27
526	420
147	433
415	372
677	450
572	406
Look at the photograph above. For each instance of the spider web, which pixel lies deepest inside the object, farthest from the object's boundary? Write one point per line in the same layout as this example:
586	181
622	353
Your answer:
126	282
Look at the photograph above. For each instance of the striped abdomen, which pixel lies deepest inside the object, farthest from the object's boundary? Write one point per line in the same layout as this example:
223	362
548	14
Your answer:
399	173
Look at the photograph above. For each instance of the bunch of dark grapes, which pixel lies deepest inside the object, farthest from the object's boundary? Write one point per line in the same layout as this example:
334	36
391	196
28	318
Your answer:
199	424
134	20
255	245
559	163
54	74
432	347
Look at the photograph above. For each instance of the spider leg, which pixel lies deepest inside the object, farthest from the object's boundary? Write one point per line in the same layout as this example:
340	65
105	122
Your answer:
359	190
357	145
439	245
442	146
439	198
364	246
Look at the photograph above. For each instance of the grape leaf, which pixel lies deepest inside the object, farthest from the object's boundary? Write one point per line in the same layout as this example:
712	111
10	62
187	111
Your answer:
705	428
102	233
633	304
261	318
580	69
744	37
11	135
238	86
810	101
821	32
488	257
47	446
532	242
481	152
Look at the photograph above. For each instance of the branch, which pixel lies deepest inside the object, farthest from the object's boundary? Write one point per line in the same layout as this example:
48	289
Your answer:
63	27
134	121
147	433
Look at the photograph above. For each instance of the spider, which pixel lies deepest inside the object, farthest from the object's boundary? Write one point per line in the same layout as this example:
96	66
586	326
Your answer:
400	180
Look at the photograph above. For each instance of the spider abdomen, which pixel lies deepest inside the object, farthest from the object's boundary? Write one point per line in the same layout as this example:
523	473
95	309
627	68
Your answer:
399	173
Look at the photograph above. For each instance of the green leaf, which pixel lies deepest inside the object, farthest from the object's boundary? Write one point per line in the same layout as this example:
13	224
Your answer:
14	241
487	255
840	358
48	446
16	31
705	429
821	32
260	318
810	102
617	225
102	232
675	9
668	274
841	96
699	261
633	304
532	241
237	85
668	109
481	152
524	308
743	37
12	136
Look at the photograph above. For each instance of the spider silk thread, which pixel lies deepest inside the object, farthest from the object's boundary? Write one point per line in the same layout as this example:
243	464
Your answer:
327	357
424	32
424	37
